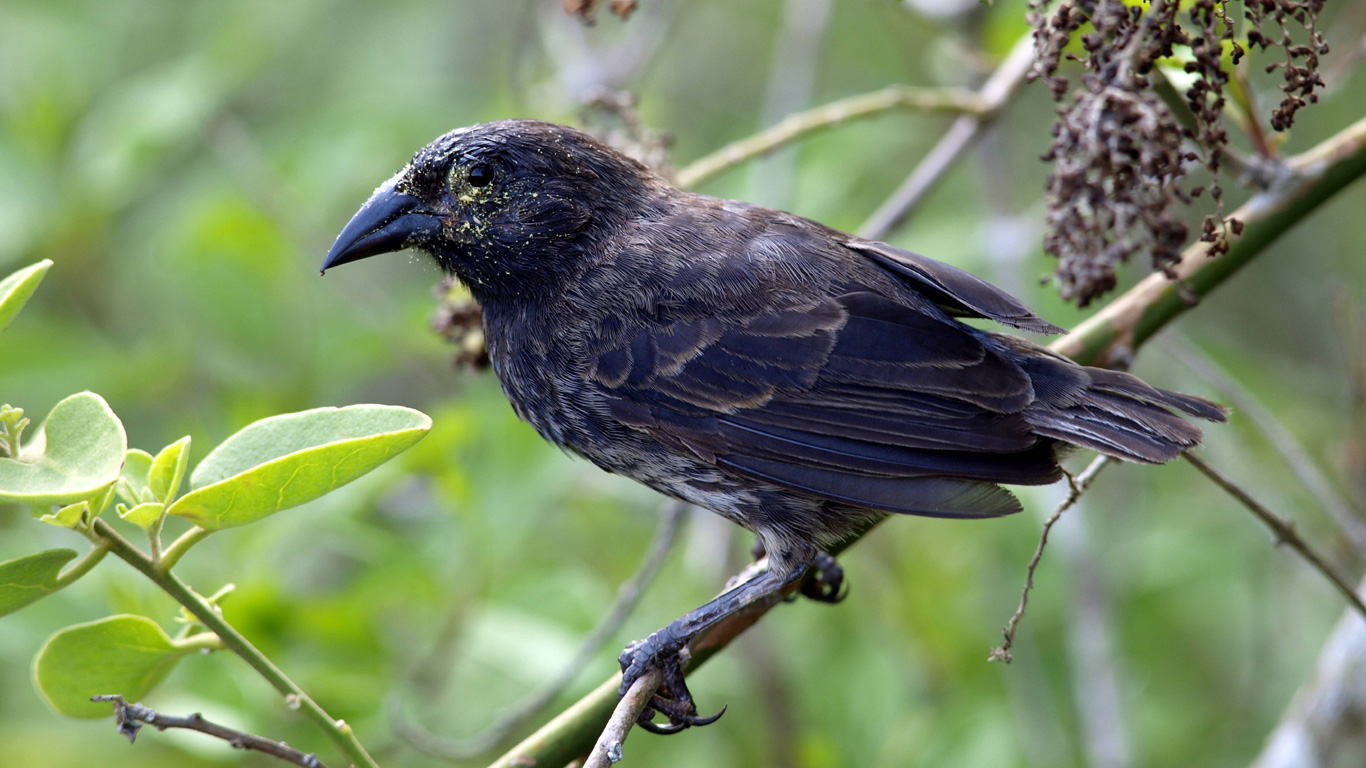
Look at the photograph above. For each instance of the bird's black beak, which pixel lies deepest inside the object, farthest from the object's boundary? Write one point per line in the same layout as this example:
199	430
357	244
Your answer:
389	221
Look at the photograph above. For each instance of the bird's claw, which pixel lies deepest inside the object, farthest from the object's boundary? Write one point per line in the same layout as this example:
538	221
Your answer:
681	715
826	583
673	700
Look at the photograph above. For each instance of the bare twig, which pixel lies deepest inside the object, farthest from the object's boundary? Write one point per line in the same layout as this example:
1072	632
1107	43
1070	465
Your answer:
1280	438
1076	487
1283	529
607	750
672	516
131	717
995	95
828	116
207	615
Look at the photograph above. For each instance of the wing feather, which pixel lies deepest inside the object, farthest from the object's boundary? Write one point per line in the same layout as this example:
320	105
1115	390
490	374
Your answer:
856	399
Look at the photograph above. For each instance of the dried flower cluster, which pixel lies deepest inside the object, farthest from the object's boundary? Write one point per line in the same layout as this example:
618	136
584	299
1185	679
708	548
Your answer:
458	321
1120	155
587	10
612	118
1301	63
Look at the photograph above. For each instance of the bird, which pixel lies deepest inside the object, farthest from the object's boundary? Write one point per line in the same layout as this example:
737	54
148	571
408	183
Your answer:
797	380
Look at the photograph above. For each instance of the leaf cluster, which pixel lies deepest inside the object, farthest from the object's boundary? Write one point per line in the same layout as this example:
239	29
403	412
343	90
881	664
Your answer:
77	465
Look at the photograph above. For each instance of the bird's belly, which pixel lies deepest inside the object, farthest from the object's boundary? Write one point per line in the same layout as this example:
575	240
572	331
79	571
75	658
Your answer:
561	409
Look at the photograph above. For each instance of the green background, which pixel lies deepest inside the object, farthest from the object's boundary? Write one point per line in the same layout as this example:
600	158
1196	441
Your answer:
186	165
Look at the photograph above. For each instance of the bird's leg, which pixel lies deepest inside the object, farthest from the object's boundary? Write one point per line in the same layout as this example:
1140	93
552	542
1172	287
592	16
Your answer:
826	583
665	650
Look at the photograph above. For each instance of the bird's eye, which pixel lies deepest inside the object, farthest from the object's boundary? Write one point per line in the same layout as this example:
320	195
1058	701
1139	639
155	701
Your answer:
480	175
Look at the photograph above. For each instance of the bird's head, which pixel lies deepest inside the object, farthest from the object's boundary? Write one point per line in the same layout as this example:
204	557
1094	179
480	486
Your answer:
509	208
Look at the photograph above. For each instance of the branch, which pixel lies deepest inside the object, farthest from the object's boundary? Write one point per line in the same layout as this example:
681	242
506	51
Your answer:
131	717
628	596
607	750
81	567
1123	325
337	730
826	116
995	95
1076	487
1282	528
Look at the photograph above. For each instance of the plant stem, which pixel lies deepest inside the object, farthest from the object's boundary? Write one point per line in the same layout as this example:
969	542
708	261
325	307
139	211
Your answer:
338	731
201	641
179	547
81	567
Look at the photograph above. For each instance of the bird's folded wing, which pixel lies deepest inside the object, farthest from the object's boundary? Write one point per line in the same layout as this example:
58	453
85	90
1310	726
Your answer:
856	398
960	293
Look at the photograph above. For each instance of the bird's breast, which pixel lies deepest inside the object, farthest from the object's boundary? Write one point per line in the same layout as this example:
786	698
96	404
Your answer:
539	362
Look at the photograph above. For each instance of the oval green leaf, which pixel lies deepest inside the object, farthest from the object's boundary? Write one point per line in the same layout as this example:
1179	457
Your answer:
168	469
124	655
26	579
76	453
285	461
134	477
16	288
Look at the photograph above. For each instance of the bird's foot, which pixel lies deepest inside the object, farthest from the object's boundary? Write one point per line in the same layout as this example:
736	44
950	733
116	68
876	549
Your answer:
826	582
666	652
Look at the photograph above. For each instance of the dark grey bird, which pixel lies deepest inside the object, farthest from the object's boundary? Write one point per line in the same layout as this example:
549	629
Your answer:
797	380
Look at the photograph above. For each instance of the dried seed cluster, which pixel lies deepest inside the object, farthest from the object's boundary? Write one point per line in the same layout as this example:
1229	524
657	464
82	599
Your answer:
587	10
1120	155
1301	65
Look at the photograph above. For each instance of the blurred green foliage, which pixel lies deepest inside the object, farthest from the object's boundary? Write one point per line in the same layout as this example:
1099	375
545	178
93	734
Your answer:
185	166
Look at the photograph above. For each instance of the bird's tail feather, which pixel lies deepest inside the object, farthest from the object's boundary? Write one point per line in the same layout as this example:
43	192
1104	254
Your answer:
1122	416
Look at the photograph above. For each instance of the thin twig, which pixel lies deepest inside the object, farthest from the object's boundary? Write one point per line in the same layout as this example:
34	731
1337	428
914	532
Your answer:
131	717
607	750
835	113
1276	433
1076	487
1282	528
995	94
628	596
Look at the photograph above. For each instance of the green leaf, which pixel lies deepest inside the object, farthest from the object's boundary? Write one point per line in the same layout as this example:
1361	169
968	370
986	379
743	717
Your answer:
137	469
168	469
76	453
68	516
15	290
143	515
284	461
124	655
27	579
